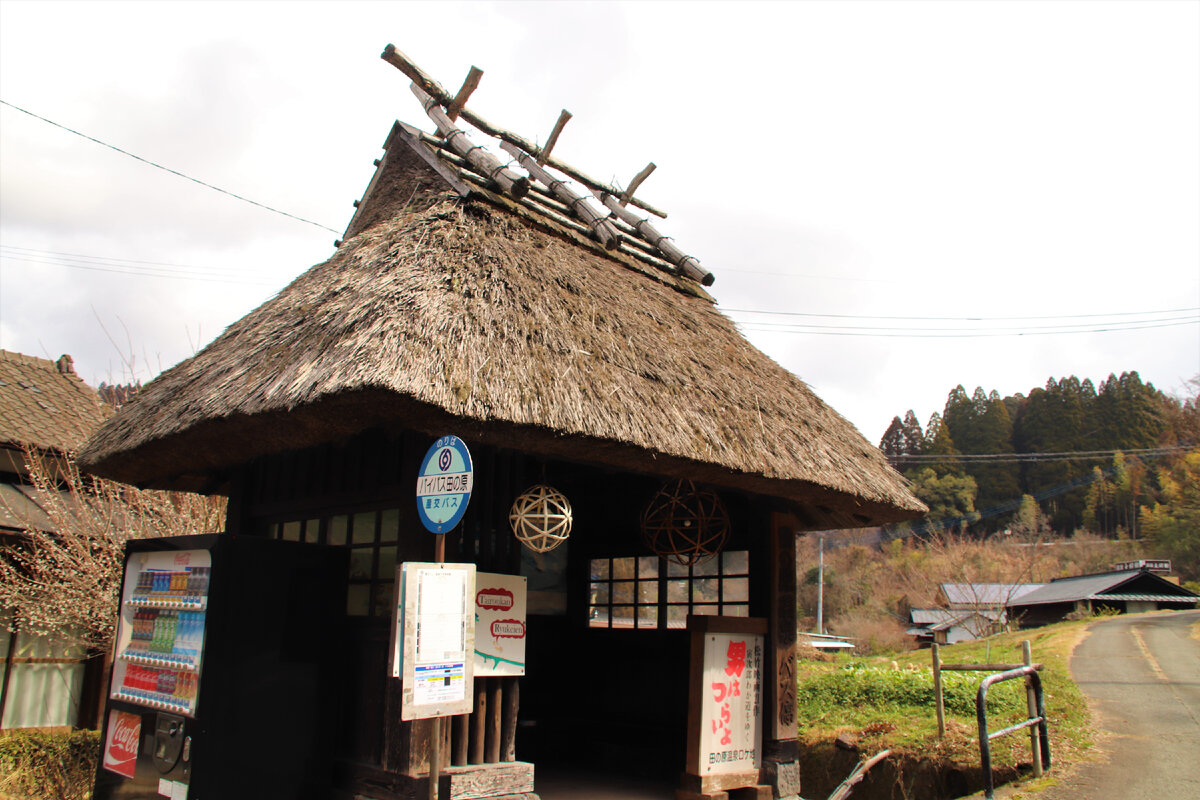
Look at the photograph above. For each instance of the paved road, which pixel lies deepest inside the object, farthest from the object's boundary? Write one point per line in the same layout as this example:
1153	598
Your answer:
1142	675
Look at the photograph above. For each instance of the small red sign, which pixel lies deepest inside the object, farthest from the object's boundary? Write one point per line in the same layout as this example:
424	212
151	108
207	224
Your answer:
494	599
508	629
121	747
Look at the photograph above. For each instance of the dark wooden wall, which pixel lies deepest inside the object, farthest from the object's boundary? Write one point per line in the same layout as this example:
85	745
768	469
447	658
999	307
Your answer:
590	697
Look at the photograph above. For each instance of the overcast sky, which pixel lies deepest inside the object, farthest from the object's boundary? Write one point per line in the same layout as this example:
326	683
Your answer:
949	192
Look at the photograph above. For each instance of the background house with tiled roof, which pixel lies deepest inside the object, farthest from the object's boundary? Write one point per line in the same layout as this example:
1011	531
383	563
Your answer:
44	407
1125	591
950	626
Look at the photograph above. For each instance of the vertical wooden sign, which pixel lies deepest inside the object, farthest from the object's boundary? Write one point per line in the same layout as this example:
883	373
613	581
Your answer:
782	693
725	709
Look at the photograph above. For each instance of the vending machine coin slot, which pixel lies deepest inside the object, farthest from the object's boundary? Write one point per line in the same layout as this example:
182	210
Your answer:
168	742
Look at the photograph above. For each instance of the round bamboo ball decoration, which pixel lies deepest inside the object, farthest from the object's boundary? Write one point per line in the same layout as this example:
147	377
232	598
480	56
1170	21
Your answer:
685	524
541	518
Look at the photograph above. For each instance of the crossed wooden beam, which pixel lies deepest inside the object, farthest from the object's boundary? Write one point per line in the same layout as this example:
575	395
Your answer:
445	109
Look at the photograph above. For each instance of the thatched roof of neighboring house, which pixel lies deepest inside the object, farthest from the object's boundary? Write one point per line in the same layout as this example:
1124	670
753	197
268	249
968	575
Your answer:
44	404
450	307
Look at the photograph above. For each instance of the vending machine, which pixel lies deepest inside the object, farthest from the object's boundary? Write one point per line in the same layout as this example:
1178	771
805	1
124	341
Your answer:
224	670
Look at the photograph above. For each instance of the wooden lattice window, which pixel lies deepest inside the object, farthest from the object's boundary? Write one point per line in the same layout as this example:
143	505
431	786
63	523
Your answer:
655	593
371	537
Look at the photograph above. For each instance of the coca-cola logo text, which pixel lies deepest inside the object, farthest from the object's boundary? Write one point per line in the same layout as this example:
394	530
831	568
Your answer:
120	754
125	735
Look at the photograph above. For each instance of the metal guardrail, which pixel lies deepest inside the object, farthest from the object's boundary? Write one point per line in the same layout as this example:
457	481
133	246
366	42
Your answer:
1033	682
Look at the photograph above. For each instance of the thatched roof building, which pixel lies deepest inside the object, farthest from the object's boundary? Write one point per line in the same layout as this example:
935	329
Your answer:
568	342
502	317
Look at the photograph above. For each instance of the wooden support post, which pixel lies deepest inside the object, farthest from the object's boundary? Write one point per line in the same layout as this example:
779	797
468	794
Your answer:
478	723
1035	745
512	705
780	759
435	730
435	756
938	700
495	716
462	738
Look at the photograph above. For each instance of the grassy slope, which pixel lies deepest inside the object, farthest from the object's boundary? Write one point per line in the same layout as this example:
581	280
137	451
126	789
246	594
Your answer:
904	719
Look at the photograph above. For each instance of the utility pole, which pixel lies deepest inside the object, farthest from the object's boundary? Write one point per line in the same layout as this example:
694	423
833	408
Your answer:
820	583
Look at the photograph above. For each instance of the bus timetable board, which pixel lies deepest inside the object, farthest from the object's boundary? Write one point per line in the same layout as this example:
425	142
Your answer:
434	639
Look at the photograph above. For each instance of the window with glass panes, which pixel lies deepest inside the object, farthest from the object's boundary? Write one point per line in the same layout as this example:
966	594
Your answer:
371	537
652	592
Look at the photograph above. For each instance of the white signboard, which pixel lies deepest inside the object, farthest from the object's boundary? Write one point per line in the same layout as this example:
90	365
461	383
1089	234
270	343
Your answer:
730	735
435	639
500	615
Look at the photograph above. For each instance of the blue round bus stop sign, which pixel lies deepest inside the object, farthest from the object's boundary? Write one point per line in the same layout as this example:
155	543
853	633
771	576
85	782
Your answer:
444	484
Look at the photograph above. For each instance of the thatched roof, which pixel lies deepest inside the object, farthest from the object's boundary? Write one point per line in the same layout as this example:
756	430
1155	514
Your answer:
44	404
476	315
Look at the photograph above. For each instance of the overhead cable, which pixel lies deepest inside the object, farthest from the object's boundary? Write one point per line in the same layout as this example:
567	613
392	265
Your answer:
168	169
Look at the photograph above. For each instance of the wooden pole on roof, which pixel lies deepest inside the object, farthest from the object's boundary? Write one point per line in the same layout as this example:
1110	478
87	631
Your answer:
481	159
431	87
603	229
464	93
637	181
564	117
686	265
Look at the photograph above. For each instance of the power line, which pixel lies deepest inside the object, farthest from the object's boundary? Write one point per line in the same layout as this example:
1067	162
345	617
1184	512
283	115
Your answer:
956	319
902	333
168	169
35	251
791	327
1010	458
122	267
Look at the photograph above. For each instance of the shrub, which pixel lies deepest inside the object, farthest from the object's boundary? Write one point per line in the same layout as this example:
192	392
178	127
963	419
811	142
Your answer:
48	766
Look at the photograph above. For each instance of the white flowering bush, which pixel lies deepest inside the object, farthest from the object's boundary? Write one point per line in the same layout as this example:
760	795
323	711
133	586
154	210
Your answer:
63	579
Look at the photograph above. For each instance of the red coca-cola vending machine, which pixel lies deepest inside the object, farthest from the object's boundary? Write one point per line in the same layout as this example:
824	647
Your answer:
225	670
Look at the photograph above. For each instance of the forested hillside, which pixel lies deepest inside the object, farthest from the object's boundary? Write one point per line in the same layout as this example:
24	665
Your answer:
1121	460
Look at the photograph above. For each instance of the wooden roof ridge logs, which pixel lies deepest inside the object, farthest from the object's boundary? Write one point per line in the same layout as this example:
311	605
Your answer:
611	222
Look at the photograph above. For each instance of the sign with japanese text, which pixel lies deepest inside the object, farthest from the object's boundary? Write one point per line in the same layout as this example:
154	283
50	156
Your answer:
444	484
500	612
731	706
434	639
121	742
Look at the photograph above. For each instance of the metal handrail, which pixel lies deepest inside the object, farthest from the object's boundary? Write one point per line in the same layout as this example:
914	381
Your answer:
1030	673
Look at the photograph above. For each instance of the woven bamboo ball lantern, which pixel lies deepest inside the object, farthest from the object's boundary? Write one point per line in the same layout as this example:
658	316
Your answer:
685	524
541	518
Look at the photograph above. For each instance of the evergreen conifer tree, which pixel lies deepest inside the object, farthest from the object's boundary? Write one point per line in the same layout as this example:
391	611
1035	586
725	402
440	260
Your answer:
939	442
914	437
893	443
1052	421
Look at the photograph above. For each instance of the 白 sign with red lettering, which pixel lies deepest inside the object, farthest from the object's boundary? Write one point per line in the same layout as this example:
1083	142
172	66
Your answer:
499	624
